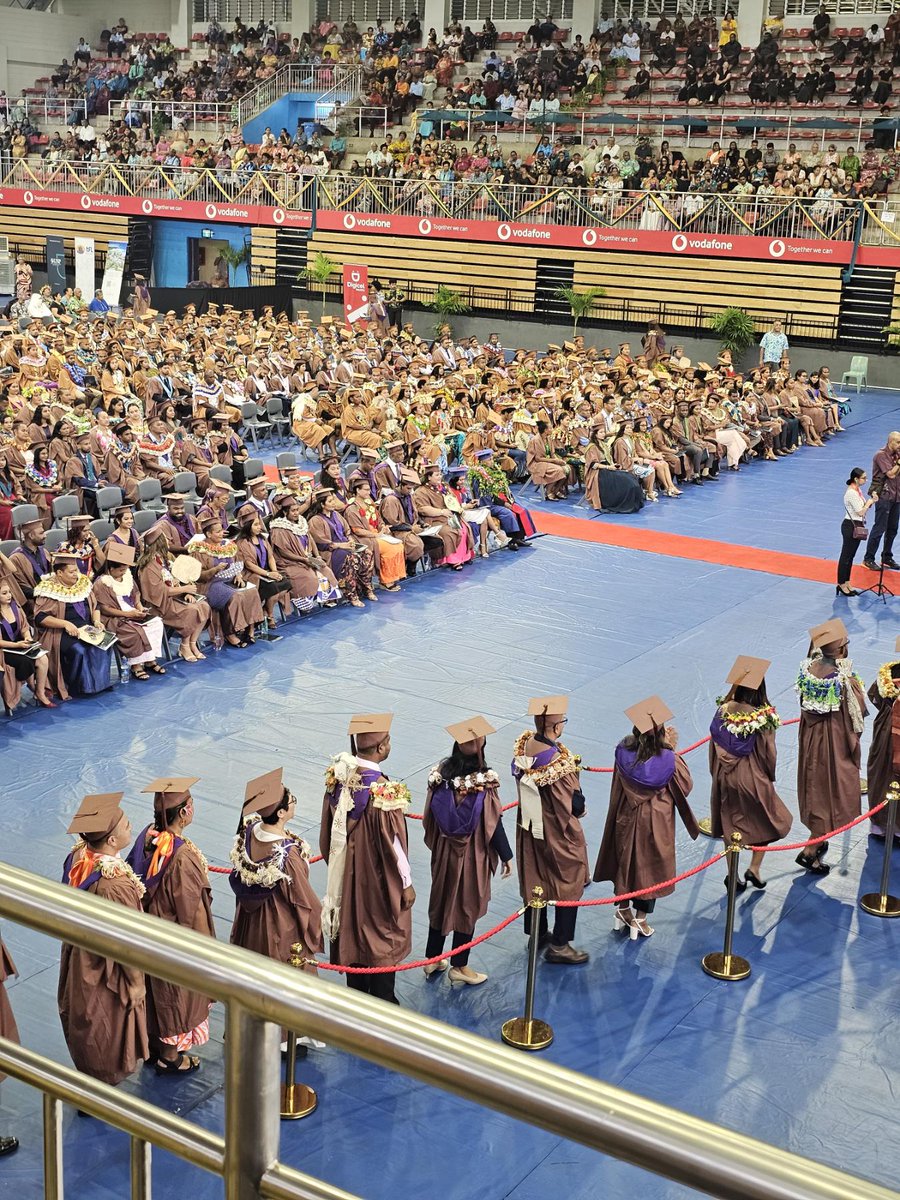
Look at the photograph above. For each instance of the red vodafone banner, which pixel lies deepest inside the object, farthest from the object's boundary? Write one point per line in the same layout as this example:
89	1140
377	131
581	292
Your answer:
356	292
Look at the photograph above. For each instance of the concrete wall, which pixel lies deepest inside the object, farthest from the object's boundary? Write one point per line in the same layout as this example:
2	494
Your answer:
33	42
170	250
884	370
150	16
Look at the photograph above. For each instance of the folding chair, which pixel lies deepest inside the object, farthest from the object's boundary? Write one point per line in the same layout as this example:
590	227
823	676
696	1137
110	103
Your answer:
22	514
286	460
101	529
253	423
7	547
64	506
279	422
145	519
108	498
185	484
150	496
54	539
253	468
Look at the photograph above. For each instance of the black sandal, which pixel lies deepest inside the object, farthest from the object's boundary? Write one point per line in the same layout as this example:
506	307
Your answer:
165	1067
812	864
157	669
138	672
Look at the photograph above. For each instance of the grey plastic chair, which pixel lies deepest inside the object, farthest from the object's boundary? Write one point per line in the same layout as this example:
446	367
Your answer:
185	484
64	506
150	495
286	460
108	498
23	513
253	423
145	519
253	468
54	539
275	412
9	546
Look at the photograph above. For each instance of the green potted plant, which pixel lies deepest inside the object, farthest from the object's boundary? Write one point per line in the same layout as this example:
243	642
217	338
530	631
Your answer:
892	336
580	303
236	257
446	303
735	329
319	272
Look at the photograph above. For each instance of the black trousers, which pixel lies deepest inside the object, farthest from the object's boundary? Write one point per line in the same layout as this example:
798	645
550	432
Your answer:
849	547
563	925
887	517
643	904
435	945
791	432
380	986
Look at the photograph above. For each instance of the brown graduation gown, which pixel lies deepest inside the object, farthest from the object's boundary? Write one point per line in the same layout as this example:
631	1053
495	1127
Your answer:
828	761
186	618
133	641
183	896
558	862
638	845
461	868
393	514
294	562
102	1005
8	1028
292	913
742	794
375	930
880	770
50	639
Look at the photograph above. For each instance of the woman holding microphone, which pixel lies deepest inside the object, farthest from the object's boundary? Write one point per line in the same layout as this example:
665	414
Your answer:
853	529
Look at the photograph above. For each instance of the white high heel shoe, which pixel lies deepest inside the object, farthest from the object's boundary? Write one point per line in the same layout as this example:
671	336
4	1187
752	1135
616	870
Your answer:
622	922
435	968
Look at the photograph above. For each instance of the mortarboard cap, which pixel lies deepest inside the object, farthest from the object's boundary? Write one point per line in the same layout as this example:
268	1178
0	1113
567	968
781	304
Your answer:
97	815
369	728
64	556
548	706
395	446
828	633
173	788
118	553
264	794
648	714
748	671
470	729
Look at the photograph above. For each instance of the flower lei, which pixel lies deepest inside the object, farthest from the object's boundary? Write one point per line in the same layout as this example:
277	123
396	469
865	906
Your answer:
390	794
48	480
125	452
223	550
51	589
465	785
161	448
744	724
887	686
300	528
493	478
825	695
565	763
269	872
114	868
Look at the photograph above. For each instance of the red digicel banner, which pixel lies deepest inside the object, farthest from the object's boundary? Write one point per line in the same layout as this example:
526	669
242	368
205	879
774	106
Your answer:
356	292
641	241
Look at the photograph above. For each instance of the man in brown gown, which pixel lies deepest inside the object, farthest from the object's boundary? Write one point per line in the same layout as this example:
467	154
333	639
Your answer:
832	709
275	903
175	876
8	1029
550	846
367	910
102	1004
883	766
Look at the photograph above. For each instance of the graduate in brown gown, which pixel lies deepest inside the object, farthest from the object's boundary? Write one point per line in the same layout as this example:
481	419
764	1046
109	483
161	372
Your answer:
832	710
742	758
64	605
102	1004
118	597
550	846
883	765
309	577
463	827
181	606
236	603
367	910
176	881
650	781
275	905
8	1029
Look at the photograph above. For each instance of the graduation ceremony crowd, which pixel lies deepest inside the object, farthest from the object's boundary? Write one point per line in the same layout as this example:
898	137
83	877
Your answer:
365	912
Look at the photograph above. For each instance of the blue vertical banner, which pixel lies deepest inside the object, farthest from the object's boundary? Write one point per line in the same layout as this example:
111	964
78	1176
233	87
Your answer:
56	264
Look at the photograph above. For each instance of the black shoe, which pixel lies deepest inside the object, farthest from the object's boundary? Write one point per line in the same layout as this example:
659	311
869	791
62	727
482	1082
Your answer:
891	564
739	885
515	546
870	565
8	1146
812	864
755	880
839	591
697	482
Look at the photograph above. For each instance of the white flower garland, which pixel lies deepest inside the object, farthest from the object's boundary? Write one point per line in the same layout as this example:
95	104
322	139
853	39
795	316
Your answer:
265	874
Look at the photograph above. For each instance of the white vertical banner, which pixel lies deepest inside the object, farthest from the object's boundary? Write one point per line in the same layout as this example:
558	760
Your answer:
85	267
115	269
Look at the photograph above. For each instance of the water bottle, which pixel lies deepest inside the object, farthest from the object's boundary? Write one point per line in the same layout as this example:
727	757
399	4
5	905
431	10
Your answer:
126	672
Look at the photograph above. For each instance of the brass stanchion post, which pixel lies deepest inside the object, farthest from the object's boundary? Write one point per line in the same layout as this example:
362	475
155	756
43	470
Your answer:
297	1100
727	965
882	904
527	1033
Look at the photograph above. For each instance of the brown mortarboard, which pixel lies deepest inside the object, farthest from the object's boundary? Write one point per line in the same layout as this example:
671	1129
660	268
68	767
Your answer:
173	498
281	500
704	366
828	633
118	553
369	728
97	815
321	493
470	729
409	477
220	485
64	556
649	714
395	445
552	346
264	794
748	671
548	706
364	453
78	519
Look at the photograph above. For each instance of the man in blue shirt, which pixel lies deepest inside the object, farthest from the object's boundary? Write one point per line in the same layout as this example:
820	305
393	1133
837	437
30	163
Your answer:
772	347
98	304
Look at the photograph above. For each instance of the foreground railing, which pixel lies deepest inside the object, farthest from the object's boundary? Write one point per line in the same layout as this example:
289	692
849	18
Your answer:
261	996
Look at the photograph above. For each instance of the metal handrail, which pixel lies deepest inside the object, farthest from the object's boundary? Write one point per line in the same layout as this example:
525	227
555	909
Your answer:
262	995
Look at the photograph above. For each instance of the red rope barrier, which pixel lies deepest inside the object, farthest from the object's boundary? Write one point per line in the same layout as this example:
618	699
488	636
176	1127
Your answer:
423	962
825	836
644	891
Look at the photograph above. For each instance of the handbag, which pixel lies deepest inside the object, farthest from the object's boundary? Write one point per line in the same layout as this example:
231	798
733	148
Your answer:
860	533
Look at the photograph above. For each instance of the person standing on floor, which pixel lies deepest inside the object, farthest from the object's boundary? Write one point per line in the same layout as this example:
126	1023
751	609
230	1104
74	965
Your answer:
550	846
742	759
885	489
650	782
275	905
102	1004
853	529
832	710
176	882
463	827
8	1030
883	765
367	910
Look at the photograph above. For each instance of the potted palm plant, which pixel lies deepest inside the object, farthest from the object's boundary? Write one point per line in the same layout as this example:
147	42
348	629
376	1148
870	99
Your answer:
580	303
319	272
237	257
446	303
735	329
